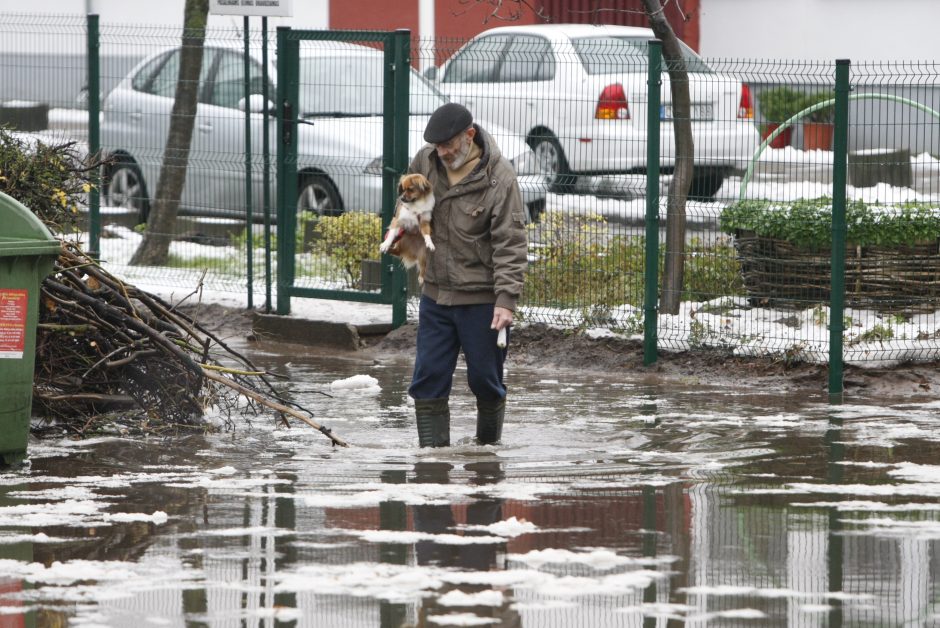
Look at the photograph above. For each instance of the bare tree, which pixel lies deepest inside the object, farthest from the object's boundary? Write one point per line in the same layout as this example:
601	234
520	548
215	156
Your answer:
674	269
155	247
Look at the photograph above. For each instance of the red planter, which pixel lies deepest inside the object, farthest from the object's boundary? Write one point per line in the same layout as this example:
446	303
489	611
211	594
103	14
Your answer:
782	140
817	135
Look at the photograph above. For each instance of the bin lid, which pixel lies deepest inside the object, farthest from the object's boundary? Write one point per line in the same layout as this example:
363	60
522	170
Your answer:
23	232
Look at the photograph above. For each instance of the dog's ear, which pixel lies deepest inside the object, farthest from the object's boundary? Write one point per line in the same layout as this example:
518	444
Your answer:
401	189
424	185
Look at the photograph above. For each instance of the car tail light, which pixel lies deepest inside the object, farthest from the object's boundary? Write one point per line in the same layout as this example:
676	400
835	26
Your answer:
746	104
612	105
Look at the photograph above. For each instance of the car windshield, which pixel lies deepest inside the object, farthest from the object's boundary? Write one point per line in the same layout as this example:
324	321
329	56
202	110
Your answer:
612	55
352	86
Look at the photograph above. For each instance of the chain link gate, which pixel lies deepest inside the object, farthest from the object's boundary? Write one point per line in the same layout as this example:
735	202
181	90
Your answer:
323	176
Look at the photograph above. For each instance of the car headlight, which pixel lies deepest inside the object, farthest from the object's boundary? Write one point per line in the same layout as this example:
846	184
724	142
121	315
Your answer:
525	163
374	167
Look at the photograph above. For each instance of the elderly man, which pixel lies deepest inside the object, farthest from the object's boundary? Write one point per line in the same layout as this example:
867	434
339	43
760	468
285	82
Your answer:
474	275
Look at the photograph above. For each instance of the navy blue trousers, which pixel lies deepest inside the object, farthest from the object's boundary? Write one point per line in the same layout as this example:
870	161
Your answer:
443	330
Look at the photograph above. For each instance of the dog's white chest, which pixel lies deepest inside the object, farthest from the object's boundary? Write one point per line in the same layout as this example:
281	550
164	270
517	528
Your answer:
407	220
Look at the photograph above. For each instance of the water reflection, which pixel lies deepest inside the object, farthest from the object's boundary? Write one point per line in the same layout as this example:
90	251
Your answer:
14	611
610	503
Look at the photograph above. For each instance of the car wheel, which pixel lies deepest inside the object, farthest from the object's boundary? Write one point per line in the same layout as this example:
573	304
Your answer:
706	182
316	194
124	187
535	209
552	163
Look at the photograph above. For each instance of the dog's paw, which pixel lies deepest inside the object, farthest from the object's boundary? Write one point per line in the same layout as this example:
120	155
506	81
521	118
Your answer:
384	247
427	241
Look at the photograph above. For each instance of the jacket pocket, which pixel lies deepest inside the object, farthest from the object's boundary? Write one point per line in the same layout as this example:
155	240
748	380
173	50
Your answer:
470	219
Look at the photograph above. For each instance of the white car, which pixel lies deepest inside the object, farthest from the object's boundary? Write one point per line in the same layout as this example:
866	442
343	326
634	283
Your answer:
578	93
340	138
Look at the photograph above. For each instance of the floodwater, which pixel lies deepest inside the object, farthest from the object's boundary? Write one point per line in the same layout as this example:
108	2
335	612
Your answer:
613	501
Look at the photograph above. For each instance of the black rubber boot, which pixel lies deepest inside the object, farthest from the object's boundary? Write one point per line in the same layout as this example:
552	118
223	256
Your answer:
490	420
433	418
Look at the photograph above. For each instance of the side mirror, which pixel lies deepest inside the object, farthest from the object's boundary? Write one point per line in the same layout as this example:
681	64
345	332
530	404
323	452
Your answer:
431	73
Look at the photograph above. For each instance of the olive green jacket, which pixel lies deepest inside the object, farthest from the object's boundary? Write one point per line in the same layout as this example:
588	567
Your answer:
479	231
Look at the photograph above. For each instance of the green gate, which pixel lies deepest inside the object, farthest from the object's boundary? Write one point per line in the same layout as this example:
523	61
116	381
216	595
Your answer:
329	84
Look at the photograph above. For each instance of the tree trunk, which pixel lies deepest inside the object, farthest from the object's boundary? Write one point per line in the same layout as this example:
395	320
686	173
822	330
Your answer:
682	177
155	247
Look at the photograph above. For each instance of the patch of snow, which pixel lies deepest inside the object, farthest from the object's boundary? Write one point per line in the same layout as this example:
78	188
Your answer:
363	384
511	527
463	619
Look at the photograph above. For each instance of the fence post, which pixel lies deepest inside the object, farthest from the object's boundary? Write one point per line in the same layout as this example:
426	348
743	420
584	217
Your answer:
397	72
837	264
288	52
249	210
651	264
266	166
94	136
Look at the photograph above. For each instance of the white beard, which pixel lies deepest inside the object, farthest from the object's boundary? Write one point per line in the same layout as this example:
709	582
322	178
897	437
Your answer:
461	159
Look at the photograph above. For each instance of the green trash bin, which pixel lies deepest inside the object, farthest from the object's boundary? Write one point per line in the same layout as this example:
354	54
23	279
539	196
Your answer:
27	253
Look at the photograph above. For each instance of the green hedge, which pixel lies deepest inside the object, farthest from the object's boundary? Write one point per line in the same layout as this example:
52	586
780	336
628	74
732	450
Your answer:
808	222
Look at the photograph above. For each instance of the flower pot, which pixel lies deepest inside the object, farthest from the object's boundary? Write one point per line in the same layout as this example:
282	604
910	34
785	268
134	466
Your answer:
817	135
782	140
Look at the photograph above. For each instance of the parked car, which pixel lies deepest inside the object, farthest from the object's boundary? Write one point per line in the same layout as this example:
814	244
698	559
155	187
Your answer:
340	138
578	93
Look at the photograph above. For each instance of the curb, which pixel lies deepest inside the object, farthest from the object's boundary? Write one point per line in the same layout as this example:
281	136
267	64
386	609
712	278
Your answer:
343	336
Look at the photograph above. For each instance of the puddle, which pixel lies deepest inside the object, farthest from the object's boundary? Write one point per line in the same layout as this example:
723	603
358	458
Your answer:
610	502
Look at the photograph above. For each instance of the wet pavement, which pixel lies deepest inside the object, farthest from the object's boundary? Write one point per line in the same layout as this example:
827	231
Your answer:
614	500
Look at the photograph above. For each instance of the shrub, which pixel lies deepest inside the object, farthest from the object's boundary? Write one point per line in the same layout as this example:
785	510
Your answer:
50	180
825	114
574	268
807	223
350	238
578	266
778	104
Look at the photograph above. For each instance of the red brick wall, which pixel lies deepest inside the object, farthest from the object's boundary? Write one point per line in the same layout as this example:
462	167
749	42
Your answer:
456	22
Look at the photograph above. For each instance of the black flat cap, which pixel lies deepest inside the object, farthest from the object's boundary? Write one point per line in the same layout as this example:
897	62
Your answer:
446	122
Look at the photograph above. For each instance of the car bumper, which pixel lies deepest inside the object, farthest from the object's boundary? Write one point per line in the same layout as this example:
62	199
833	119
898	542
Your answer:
618	148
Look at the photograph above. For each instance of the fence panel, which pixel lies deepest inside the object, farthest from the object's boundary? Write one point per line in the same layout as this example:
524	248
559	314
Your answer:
757	248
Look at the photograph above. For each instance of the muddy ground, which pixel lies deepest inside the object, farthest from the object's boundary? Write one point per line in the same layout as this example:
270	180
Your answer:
541	346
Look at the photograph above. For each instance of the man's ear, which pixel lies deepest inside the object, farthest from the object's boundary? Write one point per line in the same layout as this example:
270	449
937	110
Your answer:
472	132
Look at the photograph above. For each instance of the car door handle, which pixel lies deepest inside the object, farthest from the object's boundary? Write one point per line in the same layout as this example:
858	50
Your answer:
204	127
137	115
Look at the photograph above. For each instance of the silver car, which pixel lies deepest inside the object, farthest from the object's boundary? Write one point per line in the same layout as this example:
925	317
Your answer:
339	140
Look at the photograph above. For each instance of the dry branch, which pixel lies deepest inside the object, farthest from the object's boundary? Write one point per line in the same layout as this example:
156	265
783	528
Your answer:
109	352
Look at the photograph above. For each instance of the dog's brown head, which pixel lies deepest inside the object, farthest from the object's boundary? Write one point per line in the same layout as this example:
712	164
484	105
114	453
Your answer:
411	187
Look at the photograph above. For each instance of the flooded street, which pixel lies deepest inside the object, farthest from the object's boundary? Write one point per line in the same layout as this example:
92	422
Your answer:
612	501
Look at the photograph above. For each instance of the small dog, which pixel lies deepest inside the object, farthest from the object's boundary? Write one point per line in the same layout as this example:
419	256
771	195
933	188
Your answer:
409	234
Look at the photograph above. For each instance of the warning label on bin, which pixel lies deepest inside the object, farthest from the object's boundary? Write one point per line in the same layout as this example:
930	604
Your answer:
14	305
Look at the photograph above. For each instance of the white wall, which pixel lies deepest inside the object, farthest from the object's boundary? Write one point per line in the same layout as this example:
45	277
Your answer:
860	30
313	14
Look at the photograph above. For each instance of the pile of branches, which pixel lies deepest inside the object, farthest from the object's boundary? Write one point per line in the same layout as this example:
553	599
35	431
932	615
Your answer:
108	352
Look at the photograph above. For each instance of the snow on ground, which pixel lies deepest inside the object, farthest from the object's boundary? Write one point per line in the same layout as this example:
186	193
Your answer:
726	322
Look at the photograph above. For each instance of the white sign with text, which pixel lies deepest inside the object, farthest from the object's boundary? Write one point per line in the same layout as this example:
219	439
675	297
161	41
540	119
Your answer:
275	8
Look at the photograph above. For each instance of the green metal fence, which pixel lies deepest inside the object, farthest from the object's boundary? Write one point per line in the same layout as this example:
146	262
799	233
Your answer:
339	159
755	239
